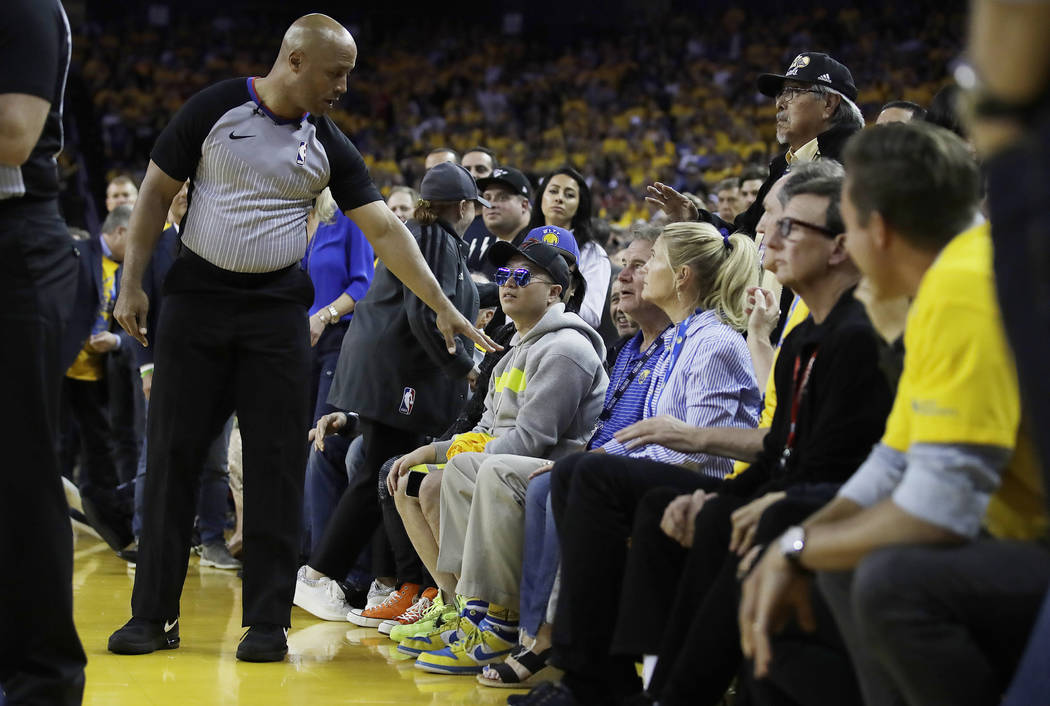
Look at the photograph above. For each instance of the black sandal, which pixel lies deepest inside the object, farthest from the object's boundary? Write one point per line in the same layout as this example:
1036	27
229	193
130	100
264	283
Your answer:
536	664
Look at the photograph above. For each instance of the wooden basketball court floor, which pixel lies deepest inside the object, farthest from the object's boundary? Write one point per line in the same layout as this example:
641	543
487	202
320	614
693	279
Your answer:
327	663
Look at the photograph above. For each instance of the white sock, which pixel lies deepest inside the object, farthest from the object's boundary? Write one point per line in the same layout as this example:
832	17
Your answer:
648	667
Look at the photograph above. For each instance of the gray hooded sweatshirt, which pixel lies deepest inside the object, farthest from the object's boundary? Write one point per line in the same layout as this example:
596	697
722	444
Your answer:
545	395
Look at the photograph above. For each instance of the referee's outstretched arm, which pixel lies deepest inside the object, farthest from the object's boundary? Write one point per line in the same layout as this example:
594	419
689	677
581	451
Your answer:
398	250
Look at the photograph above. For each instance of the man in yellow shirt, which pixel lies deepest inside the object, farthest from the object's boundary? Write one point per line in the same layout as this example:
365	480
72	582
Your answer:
931	558
89	340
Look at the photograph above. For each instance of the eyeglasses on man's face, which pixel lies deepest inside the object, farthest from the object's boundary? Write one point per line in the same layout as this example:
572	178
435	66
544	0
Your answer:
522	277
790	93
785	226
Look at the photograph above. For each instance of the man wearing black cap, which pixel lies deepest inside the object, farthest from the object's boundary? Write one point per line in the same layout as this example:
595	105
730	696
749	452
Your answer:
507	219
816	114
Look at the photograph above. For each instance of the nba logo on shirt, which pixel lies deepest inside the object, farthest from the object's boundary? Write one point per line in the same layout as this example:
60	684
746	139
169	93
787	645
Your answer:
408	401
300	159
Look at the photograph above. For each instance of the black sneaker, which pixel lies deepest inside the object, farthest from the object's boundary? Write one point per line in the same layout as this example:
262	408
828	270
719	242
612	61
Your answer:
140	637
263	643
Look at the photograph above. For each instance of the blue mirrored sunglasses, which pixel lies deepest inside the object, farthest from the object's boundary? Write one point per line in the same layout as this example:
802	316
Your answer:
522	276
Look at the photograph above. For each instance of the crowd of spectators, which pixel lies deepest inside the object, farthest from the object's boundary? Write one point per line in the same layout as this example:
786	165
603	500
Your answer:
672	102
809	415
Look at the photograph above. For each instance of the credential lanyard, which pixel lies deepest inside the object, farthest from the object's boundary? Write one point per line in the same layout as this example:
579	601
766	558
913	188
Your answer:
796	402
680	334
628	378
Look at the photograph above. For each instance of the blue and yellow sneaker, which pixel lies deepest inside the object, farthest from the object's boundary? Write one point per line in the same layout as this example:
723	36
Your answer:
479	646
447	629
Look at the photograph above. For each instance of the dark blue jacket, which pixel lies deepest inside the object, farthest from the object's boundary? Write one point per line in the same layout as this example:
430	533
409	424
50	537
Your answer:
152	284
87	301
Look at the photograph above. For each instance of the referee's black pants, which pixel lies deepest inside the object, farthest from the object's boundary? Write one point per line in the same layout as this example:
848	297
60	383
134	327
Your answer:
41	660
227	342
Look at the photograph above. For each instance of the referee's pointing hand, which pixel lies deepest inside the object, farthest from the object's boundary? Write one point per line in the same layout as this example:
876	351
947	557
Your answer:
130	311
450	323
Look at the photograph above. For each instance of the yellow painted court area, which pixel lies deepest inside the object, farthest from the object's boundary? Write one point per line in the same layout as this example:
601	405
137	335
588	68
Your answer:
327	663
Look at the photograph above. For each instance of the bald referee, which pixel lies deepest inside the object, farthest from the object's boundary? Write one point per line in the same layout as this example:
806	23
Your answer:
233	334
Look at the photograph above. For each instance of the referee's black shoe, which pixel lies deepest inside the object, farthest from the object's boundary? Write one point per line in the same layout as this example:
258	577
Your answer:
140	637
263	643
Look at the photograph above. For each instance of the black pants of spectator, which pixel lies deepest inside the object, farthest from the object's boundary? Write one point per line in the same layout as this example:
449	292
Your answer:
934	624
358	514
41	659
703	575
324	357
98	478
227	342
807	668
697	636
594	498
407	564
127	411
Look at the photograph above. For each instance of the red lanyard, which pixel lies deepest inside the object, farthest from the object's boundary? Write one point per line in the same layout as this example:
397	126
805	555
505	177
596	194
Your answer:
796	401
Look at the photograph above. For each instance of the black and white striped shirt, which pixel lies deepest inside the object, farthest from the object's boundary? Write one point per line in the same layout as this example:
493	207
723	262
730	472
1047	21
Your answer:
254	176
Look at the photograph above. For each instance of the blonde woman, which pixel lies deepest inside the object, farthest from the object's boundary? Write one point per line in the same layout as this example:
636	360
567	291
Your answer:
699	278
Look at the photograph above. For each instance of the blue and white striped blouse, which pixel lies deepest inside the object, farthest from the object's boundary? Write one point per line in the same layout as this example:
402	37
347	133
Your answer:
712	384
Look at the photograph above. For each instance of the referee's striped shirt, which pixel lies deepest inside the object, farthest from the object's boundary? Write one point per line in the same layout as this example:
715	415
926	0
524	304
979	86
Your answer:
254	176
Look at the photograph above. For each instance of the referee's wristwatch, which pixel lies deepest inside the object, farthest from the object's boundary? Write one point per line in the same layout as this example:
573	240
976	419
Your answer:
792	542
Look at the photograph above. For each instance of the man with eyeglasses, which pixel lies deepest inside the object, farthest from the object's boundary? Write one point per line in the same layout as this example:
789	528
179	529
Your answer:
507	219
816	114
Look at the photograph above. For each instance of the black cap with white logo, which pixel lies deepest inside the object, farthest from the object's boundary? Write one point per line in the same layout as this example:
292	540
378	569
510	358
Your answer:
508	176
811	67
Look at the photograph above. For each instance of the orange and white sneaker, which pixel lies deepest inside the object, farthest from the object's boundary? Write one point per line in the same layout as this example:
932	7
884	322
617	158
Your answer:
413	614
395	604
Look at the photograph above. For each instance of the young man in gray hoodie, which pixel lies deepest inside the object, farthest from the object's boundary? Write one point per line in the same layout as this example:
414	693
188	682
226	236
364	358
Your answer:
543	402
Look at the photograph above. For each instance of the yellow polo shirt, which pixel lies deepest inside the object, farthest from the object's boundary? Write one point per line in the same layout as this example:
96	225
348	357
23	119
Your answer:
959	384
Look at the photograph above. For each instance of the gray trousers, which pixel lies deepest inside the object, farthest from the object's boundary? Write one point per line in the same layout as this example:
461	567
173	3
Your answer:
483	524
928	625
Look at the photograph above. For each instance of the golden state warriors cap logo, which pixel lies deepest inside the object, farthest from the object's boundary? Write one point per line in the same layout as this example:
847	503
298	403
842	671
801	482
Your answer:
801	61
550	236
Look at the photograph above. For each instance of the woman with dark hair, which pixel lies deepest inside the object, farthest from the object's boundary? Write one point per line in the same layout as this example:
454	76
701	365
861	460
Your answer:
565	201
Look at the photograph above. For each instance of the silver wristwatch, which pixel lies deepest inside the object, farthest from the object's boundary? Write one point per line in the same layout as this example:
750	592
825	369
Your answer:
792	542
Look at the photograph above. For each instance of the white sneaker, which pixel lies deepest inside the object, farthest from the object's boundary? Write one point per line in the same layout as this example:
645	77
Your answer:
322	598
378	592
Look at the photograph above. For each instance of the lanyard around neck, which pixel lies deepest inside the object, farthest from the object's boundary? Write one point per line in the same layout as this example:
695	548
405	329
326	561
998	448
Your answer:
798	389
626	379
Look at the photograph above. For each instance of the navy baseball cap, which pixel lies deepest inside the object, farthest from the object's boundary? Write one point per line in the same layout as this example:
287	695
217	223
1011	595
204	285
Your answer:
450	182
811	67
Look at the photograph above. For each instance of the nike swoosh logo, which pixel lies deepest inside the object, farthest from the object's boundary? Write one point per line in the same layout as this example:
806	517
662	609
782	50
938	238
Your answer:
239	137
168	626
481	655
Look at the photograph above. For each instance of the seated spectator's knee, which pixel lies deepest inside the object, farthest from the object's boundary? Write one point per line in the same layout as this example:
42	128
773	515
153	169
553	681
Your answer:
430	493
653	504
496	477
881	582
564	471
